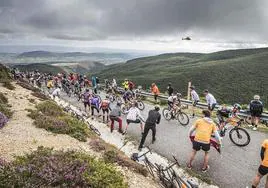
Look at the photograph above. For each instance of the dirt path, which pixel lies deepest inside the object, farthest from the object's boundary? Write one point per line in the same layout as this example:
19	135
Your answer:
20	136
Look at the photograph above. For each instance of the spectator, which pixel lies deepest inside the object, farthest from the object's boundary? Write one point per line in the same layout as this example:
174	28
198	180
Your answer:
256	109
263	168
105	106
155	91
56	92
86	97
195	99
115	116
154	118
134	116
170	90
203	129
211	101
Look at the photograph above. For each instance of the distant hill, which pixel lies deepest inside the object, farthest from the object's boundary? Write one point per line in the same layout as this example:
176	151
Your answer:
44	68
232	75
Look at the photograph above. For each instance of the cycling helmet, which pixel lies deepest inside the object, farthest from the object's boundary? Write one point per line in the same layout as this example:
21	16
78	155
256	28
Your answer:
87	90
237	106
178	95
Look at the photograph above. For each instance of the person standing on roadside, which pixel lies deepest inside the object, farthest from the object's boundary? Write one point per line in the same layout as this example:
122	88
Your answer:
195	99
211	101
263	168
170	90
86	96
256	109
203	128
115	116
154	118
155	91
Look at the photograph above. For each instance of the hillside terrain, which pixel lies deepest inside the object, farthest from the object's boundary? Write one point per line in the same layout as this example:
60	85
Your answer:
232	75
43	68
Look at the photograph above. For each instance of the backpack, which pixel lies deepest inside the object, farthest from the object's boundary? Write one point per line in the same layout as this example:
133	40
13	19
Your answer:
105	104
256	106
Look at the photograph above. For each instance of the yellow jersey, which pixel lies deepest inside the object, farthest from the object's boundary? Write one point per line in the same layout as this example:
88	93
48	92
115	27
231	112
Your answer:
203	130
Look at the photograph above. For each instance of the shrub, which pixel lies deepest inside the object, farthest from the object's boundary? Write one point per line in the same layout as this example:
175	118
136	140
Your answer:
40	95
48	115
46	167
3	98
26	85
4	108
7	84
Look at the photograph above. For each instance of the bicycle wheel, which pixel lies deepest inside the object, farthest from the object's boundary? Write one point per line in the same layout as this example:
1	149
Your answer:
182	118
166	113
141	105
94	129
150	167
239	136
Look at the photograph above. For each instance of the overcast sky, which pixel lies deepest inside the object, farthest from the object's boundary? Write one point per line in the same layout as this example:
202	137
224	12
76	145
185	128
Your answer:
156	25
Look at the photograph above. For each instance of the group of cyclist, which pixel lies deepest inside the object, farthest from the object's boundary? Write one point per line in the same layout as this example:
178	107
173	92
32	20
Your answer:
204	127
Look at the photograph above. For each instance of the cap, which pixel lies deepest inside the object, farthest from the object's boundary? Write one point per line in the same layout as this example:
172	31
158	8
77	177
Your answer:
192	87
257	97
205	91
157	107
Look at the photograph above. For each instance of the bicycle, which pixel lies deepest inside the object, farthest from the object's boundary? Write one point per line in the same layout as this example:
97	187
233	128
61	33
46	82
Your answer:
152	169
182	117
236	133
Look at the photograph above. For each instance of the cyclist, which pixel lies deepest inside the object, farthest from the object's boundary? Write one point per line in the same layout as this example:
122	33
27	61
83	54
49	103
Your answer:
86	96
225	115
125	85
131	85
203	128
77	88
154	118
127	96
105	106
171	100
94	84
256	109
134	116
115	116
95	104
211	101
263	168
195	99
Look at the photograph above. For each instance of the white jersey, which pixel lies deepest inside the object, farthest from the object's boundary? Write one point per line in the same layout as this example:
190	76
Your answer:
172	98
134	114
210	99
194	96
56	92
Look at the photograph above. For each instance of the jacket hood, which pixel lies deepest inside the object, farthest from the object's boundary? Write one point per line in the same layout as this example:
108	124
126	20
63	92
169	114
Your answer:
208	120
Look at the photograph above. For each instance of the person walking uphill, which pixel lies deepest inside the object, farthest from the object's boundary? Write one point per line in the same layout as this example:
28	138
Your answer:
154	118
155	91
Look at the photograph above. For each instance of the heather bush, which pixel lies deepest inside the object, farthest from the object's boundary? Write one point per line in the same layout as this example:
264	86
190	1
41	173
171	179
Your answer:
4	106
46	167
48	115
3	99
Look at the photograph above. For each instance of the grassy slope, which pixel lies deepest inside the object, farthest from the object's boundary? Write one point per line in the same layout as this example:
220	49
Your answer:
232	76
41	67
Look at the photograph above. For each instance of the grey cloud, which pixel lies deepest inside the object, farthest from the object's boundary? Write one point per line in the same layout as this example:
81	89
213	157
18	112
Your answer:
102	19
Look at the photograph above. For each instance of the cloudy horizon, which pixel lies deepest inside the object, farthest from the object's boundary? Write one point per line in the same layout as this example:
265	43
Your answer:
143	25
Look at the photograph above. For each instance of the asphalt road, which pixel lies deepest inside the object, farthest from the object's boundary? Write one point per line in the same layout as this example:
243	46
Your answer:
234	168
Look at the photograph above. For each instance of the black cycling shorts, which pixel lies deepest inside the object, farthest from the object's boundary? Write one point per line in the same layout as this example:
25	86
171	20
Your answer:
132	121
198	145
263	170
255	113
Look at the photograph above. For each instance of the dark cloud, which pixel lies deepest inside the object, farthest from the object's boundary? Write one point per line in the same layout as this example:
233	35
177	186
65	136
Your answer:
240	20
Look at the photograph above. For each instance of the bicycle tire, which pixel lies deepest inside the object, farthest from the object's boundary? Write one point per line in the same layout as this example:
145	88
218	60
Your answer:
141	105
181	116
237	130
166	114
149	166
94	129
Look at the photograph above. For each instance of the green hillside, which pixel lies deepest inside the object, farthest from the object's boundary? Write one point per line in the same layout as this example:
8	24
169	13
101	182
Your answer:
232	76
44	68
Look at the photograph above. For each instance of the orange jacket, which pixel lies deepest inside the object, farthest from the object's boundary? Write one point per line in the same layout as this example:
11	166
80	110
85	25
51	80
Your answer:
155	90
